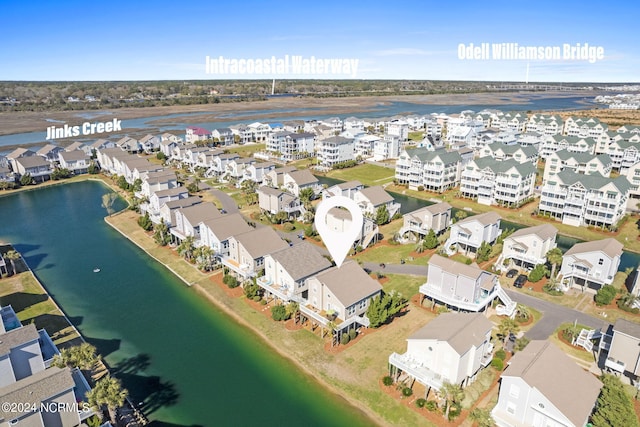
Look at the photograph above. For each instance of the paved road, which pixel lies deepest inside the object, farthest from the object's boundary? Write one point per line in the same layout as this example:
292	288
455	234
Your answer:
553	315
228	204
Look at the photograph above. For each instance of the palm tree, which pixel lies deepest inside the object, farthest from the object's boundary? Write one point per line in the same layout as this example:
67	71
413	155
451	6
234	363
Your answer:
107	392
451	393
507	327
482	417
523	312
186	247
554	257
13	256
82	356
627	299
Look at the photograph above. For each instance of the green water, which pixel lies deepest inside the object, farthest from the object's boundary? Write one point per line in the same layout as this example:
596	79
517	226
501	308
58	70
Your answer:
187	361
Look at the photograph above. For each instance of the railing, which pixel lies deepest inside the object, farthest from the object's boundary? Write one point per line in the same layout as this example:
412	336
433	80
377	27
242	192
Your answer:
414	368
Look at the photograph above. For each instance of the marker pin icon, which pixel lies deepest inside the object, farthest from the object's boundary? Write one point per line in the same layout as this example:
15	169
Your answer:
338	243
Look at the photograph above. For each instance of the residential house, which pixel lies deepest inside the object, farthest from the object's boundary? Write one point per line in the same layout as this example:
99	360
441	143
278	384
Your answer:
235	168
36	166
222	136
128	144
574	144
274	201
275	178
188	219
339	221
16	154
624	351
159	198
397	128
334	150
591	265
334	123
215	233
291	145
501	152
370	199
101	144
257	172
76	161
298	180
346	189
461	286
528	247
288	270
435	171
20	354
243	132
583	163
624	154
507	183
6	175
633	175
545	124
364	144
542	386
451	348
584	127
78	146
168	210
167	146
157	181
578	199
247	251
50	152
344	291
194	134
387	147
150	143
436	217
468	234
259	131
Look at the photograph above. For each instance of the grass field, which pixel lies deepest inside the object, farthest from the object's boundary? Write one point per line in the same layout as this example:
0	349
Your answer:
392	254
248	149
366	173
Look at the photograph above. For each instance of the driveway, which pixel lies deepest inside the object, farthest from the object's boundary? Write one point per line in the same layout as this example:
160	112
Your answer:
228	204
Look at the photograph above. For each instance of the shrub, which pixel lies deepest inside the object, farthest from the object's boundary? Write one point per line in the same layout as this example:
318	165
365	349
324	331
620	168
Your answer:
257	298
407	391
501	354
454	411
353	334
550	289
145	222
421	402
497	364
230	281
344	339
605	295
279	313
387	380
538	272
627	308
288	227
431	405
263	302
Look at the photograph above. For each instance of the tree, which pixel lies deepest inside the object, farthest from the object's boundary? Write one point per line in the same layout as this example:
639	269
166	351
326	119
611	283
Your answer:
60	173
382	308
161	233
186	247
145	222
279	313
205	256
460	215
137	185
382	215
83	356
614	407
251	290
451	393
12	256
108	200
306	195
523	312
483	252
482	417
538	272
605	295
26	179
107	392
507	327
430	240
554	257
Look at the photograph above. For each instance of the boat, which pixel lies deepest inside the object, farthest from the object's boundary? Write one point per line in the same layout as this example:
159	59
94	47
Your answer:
96	270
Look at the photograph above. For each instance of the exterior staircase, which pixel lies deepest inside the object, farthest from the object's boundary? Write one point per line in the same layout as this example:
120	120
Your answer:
585	338
508	306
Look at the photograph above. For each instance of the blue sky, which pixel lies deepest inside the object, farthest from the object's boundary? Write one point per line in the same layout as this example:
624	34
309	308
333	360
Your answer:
391	40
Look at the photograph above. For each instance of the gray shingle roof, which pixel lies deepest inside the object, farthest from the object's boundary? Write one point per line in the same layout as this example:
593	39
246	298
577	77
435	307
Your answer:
17	337
301	260
461	330
628	328
544	231
376	195
349	283
261	241
227	226
594	181
609	246
484	219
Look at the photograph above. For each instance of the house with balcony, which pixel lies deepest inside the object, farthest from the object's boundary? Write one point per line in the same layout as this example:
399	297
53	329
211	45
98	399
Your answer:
128	144
346	189
344	291
76	161
398	128
168	210
451	348
195	133
370	199
6	175
222	136
584	163
274	201
516	122
101	144
461	286
339	220
364	144
291	145
188	219
468	234
218	163
159	198
542	386
502	152
236	167
633	175
16	154
259	131
215	233
574	144
50	152
297	180
582	127
244	133
334	123
546	124
334	150
36	166
257	172
435	171
287	271
150	143
528	247
624	154
578	199
590	265
247	251
506	183
624	351
157	181
436	217
275	178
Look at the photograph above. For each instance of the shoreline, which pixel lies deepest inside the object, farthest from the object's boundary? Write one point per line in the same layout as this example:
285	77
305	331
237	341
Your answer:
368	412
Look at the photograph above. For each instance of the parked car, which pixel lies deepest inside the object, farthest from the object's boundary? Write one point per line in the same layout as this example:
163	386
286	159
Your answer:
520	281
512	273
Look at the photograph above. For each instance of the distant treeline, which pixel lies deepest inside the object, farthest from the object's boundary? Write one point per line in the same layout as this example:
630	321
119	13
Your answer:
59	96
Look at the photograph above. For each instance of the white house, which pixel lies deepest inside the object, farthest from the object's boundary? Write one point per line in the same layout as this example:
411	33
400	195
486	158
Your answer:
506	183
247	250
528	247
334	150
436	217
274	201
542	386
468	234
591	265
188	219
297	180
451	348
429	170
583	163
215	233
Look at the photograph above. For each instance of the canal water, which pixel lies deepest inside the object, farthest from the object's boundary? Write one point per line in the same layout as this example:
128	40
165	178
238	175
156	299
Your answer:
409	204
188	362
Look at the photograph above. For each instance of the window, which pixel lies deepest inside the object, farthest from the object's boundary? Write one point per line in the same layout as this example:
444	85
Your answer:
511	408
514	391
600	261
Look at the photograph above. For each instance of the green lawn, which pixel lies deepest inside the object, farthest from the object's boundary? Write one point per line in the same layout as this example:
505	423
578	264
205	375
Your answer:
366	173
247	150
416	136
392	254
406	285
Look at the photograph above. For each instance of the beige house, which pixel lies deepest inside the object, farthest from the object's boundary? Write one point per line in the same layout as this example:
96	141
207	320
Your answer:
528	247
436	217
624	352
247	250
542	386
